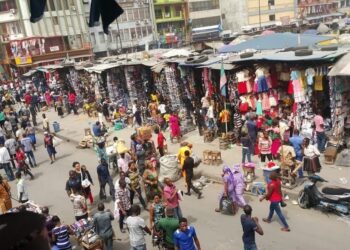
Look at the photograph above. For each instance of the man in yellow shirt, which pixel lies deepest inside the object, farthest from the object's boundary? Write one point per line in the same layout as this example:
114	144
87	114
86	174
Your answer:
185	146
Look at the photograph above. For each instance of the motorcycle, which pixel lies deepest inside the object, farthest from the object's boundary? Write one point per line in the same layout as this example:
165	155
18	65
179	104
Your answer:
330	198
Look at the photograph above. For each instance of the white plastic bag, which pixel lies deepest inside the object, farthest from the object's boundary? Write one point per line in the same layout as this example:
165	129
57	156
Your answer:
56	141
169	168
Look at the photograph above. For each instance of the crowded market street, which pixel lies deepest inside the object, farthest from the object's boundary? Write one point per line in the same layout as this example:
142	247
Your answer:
310	229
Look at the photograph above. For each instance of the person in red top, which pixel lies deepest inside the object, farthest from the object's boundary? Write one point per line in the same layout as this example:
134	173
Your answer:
28	98
21	164
274	195
71	100
160	139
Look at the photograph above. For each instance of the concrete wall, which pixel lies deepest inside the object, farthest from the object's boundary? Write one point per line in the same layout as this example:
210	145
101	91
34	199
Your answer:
234	14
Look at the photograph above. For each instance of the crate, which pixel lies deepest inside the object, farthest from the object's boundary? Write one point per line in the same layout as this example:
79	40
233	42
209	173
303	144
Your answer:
330	155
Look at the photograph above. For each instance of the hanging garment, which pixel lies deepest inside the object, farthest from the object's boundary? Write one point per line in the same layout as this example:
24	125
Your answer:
310	73
259	107
252	100
274	80
265	102
290	88
249	86
272	101
268	81
242	88
262	84
255	87
318	83
299	94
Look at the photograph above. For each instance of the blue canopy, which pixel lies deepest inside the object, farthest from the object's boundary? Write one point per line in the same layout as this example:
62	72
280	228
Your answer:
275	41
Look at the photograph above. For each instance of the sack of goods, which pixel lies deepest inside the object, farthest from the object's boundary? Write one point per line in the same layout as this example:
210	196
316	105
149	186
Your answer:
145	133
197	160
227	206
169	168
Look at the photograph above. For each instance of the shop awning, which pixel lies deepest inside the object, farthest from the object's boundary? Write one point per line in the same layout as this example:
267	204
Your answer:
149	63
210	61
342	67
275	41
29	73
217	66
99	68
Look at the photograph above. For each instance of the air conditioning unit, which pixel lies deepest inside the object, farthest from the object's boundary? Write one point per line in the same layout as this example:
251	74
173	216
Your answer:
13	11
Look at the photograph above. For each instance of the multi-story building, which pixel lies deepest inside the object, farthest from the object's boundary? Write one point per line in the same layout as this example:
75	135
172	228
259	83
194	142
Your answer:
171	18
256	14
205	19
133	30
60	33
317	11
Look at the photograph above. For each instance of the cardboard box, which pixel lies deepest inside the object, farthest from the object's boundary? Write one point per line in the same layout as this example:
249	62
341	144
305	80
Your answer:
145	132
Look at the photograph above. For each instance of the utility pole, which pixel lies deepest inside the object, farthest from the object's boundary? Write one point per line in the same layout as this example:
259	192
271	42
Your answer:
259	15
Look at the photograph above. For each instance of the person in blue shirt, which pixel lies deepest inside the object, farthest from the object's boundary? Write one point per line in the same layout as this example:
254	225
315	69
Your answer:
105	178
297	141
185	238
96	129
250	225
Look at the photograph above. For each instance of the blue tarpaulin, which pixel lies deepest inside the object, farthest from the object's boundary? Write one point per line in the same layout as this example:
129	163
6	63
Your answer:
275	41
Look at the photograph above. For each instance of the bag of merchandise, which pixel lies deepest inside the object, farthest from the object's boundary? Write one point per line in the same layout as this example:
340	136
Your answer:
169	168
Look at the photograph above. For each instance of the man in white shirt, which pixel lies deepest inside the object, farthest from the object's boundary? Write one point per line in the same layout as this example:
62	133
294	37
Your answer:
11	145
5	161
136	226
22	192
162	108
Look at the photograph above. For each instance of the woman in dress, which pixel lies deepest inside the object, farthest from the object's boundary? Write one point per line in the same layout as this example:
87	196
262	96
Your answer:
156	211
175	131
311	157
48	141
276	138
239	185
264	145
150	178
84	174
5	195
229	189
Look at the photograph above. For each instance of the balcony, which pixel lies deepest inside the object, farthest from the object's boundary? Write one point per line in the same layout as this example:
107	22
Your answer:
167	2
9	16
306	3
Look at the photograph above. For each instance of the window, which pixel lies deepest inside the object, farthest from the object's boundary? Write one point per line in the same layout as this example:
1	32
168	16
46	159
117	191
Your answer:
149	29
65	4
204	5
133	33
126	34
144	31
209	21
93	38
147	14
271	2
130	15
123	18
55	20
58	5
178	10
52	5
136	14
101	37
142	13
158	13
139	32
272	17
167	13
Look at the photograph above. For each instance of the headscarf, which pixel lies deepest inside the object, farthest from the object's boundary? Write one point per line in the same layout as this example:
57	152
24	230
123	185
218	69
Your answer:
226	170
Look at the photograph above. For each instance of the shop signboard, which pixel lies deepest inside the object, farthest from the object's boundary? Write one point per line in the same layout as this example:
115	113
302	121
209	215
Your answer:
54	48
23	60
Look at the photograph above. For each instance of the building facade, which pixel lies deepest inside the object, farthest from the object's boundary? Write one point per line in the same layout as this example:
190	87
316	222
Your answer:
172	22
256	14
133	30
60	33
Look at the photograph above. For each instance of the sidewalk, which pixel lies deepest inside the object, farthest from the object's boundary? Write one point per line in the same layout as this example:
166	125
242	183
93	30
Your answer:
72	130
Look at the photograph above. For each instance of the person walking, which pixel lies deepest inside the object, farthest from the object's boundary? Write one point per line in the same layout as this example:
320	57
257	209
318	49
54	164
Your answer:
185	237
5	195
86	183
175	131
123	202
246	147
239	185
160	141
11	145
51	150
320	131
297	142
104	178
135	186
188	166
103	226
60	234
79	205
5	159
26	142
171	197
169	225
22	193
136	227
21	162
274	195
46	123
229	189
250	225
73	182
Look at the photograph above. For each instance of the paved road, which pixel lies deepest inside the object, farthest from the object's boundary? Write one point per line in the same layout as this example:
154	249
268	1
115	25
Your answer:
310	229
